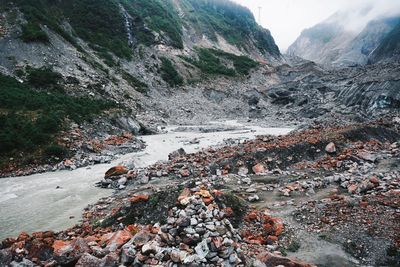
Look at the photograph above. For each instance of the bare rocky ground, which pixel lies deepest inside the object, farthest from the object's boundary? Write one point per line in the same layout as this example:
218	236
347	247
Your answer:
329	196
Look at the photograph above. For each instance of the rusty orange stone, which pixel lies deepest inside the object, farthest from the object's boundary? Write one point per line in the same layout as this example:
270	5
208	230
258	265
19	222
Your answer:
59	245
139	198
116	171
278	226
228	212
208	200
272	238
258	168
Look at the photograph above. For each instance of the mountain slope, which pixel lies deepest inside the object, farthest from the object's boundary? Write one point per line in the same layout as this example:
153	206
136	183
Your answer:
130	54
333	43
389	48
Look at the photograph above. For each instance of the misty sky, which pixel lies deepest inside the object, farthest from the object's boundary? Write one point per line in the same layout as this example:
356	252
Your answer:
287	18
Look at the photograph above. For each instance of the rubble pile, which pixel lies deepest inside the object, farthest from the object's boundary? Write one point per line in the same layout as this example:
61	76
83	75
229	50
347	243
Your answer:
197	232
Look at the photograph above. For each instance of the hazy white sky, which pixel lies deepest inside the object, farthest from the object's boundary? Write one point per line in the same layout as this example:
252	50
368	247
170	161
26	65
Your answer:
287	18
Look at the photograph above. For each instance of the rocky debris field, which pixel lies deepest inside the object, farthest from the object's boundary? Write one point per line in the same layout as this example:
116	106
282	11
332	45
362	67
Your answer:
257	203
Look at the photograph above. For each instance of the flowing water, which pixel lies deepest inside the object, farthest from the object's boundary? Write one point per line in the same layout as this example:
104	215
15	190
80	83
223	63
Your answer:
32	203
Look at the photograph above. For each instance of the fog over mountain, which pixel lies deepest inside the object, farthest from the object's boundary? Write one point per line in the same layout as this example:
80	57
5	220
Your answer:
288	18
349	36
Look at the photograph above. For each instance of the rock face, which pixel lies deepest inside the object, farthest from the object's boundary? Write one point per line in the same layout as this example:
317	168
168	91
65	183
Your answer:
389	48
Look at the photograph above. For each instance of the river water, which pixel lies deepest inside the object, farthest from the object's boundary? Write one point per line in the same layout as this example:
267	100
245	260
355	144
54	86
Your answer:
32	203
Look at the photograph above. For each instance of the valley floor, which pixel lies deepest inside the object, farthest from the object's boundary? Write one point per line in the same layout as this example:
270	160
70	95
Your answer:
328	196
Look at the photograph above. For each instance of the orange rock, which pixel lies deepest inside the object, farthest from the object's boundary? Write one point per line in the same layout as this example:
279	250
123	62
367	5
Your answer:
60	245
352	188
115	171
118	239
252	216
23	236
259	168
133	229
325	220
374	180
272	238
204	193
270	259
217	193
184	195
278	226
139	198
228	212
208	200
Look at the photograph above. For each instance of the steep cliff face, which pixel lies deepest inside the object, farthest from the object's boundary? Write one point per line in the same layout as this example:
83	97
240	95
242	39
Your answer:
332	43
389	48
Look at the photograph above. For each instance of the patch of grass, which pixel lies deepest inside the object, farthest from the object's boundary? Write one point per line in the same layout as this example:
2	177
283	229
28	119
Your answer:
154	199
31	32
169	73
134	82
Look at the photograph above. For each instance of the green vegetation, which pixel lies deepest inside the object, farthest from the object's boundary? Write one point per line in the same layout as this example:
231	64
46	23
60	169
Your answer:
294	246
31	32
134	82
212	61
43	78
232	21
44	12
30	120
209	63
169	73
160	16
100	23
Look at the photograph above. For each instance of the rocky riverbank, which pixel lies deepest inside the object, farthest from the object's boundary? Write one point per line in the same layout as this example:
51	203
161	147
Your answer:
253	203
85	150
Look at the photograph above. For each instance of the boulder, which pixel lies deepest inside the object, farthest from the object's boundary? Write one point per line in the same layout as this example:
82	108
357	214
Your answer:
118	239
330	148
116	171
88	260
177	154
258	168
268	259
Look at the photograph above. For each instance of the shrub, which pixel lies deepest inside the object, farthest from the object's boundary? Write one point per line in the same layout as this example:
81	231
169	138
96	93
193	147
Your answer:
31	32
134	82
43	77
55	150
209	61
169	73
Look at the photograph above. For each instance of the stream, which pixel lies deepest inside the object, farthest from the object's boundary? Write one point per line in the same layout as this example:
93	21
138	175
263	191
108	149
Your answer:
32	203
